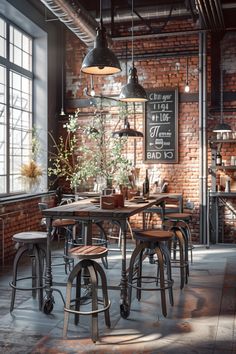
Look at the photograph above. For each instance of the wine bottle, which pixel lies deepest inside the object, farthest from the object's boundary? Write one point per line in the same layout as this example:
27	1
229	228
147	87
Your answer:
218	159
146	186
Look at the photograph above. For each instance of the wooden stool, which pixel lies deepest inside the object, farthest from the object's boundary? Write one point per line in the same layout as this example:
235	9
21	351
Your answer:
30	242
182	221
155	240
92	269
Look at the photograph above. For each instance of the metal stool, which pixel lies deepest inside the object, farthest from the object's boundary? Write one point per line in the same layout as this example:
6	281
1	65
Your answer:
89	270
156	241
68	225
182	220
179	245
30	242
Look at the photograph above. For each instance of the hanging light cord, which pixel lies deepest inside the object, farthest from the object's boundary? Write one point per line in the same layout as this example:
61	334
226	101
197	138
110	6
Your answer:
187	72
221	94
100	12
132	34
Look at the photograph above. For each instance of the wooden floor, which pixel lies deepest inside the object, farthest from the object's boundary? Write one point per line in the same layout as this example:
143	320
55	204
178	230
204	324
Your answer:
202	319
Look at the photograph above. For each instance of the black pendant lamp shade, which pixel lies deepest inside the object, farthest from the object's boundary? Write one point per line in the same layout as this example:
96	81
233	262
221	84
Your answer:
133	91
127	131
222	128
100	60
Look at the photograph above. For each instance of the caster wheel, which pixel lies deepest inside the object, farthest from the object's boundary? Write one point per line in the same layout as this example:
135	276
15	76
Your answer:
48	307
124	311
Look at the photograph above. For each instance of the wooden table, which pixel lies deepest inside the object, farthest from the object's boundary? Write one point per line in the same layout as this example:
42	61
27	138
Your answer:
88	213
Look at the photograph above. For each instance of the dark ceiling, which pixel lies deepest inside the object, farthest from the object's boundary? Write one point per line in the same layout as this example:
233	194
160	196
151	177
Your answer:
149	15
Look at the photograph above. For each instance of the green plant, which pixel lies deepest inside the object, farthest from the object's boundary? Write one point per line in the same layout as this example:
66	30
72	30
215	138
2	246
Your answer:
64	157
102	155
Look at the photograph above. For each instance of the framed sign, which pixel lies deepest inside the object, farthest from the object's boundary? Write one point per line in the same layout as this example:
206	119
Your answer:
161	126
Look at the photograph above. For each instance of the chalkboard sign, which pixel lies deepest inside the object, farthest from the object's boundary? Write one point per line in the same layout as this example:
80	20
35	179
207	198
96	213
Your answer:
161	126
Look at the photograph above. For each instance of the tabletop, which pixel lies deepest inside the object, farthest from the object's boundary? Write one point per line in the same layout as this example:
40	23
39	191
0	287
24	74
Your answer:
87	209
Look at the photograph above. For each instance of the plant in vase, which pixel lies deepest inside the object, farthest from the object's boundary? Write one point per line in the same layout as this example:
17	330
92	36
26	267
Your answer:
64	158
101	155
31	171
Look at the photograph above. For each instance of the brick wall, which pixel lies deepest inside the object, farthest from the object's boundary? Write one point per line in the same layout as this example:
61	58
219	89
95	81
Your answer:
18	216
161	71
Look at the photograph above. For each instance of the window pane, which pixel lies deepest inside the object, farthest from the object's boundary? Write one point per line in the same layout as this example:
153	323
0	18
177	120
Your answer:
17	147
20	49
17	38
2	28
3	182
2	38
17	56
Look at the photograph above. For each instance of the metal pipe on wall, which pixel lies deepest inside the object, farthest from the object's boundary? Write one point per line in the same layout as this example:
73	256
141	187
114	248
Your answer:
203	202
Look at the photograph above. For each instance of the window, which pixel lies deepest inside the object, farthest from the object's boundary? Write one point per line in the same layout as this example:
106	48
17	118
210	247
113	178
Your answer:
16	115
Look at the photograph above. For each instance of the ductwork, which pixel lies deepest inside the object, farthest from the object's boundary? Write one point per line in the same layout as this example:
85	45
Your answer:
211	14
147	13
75	17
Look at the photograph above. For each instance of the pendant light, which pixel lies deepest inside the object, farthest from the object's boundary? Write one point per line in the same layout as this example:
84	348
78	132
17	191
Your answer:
222	127
133	91
127	131
100	60
187	88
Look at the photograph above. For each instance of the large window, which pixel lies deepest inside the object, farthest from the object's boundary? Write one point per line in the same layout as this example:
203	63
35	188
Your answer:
16	114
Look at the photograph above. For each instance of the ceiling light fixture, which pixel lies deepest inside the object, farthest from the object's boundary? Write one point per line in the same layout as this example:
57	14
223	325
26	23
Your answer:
187	88
222	127
133	91
100	60
127	131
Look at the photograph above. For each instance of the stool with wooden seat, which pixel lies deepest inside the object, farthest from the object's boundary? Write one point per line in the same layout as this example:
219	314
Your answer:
157	241
88	270
68	225
33	243
181	221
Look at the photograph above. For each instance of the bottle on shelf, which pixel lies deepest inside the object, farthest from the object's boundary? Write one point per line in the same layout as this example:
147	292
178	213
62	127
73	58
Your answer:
218	159
146	186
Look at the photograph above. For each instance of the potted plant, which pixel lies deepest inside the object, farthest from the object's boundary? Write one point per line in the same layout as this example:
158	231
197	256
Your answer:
64	158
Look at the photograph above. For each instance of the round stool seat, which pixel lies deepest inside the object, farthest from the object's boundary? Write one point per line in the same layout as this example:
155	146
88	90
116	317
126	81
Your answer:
30	237
88	252
63	222
178	216
154	235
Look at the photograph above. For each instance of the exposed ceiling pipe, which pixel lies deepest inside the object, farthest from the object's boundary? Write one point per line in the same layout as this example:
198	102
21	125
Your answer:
147	13
76	18
220	12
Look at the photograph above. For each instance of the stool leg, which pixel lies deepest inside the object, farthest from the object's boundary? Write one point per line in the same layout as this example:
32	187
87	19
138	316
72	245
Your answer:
78	296
102	274
139	275
180	239
34	272
71	277
18	255
162	280
38	273
185	235
133	258
165	250
93	282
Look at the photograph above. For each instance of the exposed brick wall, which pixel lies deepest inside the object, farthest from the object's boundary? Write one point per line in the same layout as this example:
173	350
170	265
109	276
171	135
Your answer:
155	72
19	216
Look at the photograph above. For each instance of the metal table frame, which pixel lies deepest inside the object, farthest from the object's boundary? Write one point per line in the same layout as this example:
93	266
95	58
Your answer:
84	211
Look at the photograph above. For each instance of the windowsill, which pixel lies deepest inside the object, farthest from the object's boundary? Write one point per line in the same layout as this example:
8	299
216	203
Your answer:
19	197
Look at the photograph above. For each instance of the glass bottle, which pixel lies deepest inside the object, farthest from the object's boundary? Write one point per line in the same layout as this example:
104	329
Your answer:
146	186
218	159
